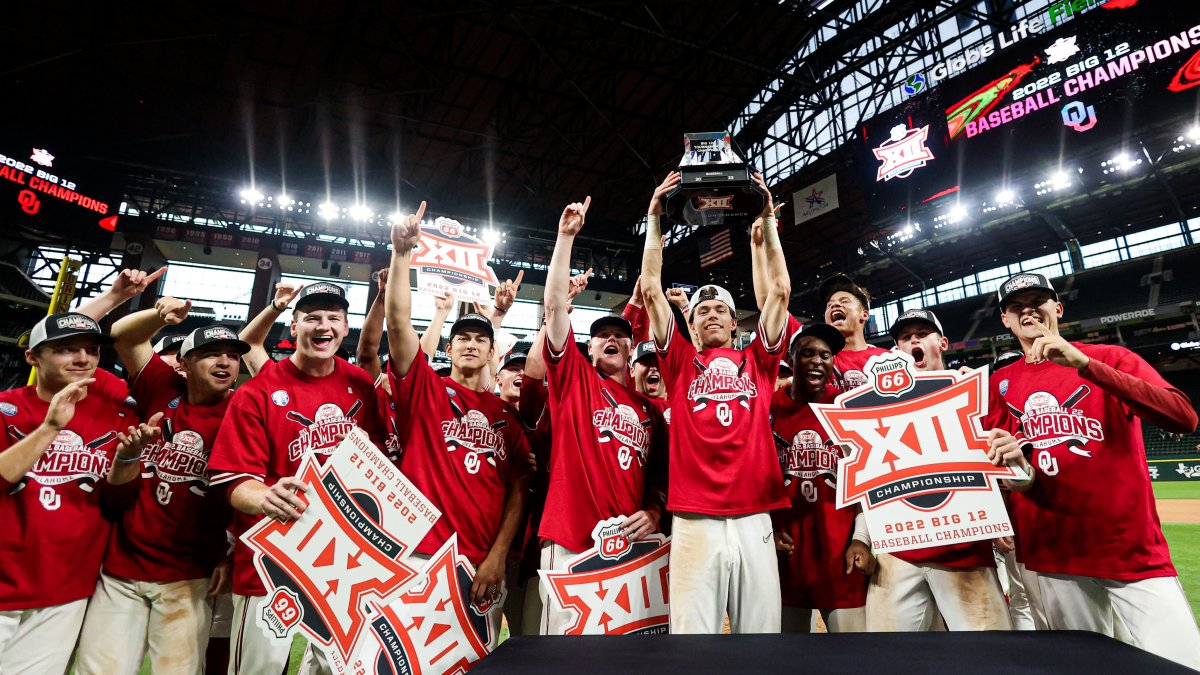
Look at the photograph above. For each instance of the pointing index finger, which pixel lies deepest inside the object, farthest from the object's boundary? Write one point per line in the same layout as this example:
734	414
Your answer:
520	276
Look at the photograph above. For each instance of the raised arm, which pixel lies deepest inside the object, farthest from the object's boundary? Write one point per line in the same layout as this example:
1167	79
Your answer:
774	311
132	334
652	292
129	283
367	354
255	333
403	343
432	337
558	276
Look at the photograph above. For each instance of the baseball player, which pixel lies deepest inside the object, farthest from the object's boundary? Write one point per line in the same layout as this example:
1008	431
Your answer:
645	375
167	349
823	561
959	581
1089	526
58	461
464	447
724	472
301	404
167	557
848	308
603	432
509	378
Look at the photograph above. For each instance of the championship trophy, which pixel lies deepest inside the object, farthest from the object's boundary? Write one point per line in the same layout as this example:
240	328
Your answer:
716	188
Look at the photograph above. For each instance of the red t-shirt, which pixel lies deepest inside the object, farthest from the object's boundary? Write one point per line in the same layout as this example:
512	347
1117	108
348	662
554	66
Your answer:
814	575
462	449
639	320
272	421
603	436
387	414
722	460
848	367
1091	510
53	537
175	529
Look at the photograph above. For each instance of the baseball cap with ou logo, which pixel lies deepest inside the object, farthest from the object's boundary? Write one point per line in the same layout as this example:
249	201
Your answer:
1025	281
208	335
322	292
65	325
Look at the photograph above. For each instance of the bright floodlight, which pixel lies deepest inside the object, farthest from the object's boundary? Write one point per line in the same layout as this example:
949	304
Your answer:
360	212
490	236
327	210
1060	179
1005	197
396	217
1194	132
957	213
283	200
251	195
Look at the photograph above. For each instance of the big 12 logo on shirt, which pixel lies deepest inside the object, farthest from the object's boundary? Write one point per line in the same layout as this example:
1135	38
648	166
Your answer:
320	434
808	457
477	437
721	382
68	459
619	424
1050	424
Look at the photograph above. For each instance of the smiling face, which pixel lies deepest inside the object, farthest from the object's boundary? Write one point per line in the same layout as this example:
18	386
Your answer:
211	369
319	331
62	362
812	367
714	323
609	349
846	313
509	379
647	378
1026	310
470	350
922	342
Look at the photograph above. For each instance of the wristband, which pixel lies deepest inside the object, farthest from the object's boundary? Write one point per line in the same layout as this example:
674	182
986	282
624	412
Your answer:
276	307
127	460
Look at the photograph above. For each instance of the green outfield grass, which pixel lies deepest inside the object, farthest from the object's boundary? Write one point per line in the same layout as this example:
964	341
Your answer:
1185	552
1178	489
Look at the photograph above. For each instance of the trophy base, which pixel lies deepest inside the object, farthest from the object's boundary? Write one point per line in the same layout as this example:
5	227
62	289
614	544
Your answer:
711	195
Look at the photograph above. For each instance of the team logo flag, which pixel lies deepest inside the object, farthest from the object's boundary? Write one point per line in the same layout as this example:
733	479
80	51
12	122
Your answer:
917	457
616	587
449	261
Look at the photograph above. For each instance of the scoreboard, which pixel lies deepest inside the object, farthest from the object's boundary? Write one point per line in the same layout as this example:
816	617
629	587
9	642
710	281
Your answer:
1094	86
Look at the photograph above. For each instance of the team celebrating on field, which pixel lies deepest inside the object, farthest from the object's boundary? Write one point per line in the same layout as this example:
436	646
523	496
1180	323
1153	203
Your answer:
123	500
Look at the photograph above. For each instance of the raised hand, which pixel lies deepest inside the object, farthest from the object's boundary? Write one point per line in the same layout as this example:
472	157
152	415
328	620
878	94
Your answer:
381	281
284	294
677	297
131	443
131	282
1056	349
573	216
446	303
578	285
62	406
172	311
656	201
407	232
769	207
506	292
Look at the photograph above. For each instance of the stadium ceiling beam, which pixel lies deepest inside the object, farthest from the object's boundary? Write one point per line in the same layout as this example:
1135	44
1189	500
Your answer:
833	50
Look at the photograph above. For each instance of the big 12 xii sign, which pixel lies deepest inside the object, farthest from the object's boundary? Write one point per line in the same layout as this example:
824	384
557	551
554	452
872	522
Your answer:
917	458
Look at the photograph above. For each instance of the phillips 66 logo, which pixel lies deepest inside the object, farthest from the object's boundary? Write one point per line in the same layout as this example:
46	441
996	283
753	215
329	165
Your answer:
891	376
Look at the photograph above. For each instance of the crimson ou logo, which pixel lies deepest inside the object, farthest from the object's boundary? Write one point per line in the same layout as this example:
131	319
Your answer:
1078	116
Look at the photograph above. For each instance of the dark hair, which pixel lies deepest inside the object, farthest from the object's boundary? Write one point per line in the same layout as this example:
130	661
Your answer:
861	294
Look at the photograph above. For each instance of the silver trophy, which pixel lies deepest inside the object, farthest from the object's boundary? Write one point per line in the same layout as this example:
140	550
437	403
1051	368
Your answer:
716	188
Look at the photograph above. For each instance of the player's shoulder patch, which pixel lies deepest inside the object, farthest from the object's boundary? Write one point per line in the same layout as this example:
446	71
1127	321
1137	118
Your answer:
280	397
131	401
450	391
174	403
8	409
1003	386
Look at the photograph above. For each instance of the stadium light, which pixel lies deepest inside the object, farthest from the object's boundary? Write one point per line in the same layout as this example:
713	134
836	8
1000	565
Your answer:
251	195
328	210
957	213
491	236
1194	133
396	217
283	200
1005	197
360	212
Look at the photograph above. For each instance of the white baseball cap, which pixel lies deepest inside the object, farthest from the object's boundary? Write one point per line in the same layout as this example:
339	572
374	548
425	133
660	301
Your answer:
712	292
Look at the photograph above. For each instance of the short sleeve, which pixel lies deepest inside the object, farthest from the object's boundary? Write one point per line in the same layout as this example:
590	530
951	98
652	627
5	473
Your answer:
639	320
674	356
155	380
533	402
241	449
410	394
566	370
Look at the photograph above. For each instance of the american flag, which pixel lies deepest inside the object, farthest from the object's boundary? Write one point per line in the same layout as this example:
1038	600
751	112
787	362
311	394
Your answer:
716	248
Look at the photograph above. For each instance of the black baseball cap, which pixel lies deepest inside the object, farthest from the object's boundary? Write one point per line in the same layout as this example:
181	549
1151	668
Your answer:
1025	281
1007	358
828	334
785	368
322	292
611	320
643	350
202	337
169	344
911	316
841	282
513	357
476	321
65	325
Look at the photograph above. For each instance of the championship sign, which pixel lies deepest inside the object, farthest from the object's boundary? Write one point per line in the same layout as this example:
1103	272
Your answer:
352	543
617	587
917	459
433	628
451	262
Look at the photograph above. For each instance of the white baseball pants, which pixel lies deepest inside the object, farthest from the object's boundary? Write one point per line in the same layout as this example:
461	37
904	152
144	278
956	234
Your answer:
903	597
40	641
724	565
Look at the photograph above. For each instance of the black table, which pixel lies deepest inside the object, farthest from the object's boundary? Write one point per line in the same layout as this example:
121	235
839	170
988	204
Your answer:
857	653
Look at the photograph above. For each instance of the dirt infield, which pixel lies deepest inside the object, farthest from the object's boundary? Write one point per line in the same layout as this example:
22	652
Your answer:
1179	510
